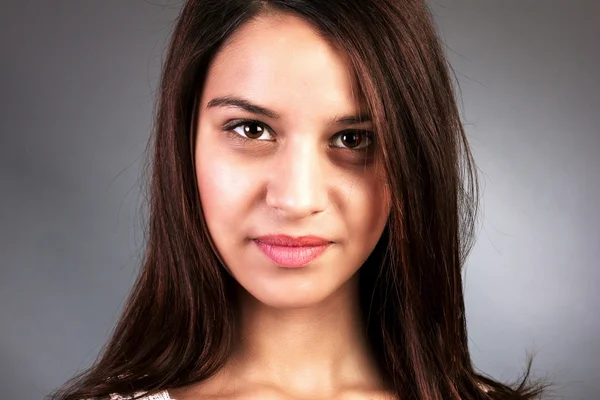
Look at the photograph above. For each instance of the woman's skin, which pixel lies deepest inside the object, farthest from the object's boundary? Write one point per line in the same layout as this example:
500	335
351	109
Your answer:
301	336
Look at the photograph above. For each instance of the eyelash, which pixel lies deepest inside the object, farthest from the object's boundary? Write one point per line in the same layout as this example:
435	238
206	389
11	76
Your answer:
231	126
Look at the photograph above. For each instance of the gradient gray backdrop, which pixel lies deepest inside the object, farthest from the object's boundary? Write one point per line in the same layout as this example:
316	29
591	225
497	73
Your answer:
77	84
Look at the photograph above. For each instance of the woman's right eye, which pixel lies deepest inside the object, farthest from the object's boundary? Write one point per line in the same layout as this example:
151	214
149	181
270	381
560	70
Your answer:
252	130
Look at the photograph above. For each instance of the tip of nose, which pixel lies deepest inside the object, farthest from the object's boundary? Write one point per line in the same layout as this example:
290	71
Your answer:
297	205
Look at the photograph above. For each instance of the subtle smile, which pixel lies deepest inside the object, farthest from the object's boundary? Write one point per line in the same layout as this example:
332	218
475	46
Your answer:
291	252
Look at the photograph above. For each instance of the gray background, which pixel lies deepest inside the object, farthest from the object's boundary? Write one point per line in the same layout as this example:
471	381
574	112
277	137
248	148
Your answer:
77	84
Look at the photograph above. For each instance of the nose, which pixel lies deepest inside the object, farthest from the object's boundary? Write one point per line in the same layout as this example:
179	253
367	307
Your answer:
296	186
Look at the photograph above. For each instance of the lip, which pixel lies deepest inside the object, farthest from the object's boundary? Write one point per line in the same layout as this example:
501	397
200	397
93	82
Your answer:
289	241
291	252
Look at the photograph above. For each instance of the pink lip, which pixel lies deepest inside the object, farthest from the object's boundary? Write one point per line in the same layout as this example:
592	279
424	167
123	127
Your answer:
292	252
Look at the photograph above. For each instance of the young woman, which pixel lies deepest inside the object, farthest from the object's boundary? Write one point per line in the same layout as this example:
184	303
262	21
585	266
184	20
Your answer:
312	201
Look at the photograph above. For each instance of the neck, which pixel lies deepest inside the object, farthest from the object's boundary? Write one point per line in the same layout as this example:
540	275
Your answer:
307	350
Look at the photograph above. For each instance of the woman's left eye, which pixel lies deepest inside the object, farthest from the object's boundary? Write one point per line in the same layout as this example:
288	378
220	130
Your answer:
353	139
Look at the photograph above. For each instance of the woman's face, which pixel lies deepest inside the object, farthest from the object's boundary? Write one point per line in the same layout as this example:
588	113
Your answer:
277	154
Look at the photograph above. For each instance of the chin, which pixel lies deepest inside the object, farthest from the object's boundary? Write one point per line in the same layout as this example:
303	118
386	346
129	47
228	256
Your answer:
293	294
289	303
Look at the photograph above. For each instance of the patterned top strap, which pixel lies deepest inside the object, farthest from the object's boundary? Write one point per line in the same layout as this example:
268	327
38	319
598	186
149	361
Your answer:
164	395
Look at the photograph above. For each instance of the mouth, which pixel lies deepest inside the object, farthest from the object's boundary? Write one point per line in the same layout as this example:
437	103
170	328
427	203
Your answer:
289	252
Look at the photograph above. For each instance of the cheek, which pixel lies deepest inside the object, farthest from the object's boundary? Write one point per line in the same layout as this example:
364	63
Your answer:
224	192
367	210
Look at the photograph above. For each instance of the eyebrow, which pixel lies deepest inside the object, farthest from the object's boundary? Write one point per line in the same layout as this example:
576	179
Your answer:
244	104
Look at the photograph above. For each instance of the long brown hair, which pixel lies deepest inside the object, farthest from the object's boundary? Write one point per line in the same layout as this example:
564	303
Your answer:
178	325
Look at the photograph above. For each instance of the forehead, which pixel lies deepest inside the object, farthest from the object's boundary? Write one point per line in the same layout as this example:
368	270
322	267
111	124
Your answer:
280	60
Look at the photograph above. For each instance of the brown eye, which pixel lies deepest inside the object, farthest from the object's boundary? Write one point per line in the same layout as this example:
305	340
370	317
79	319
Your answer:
353	140
251	130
